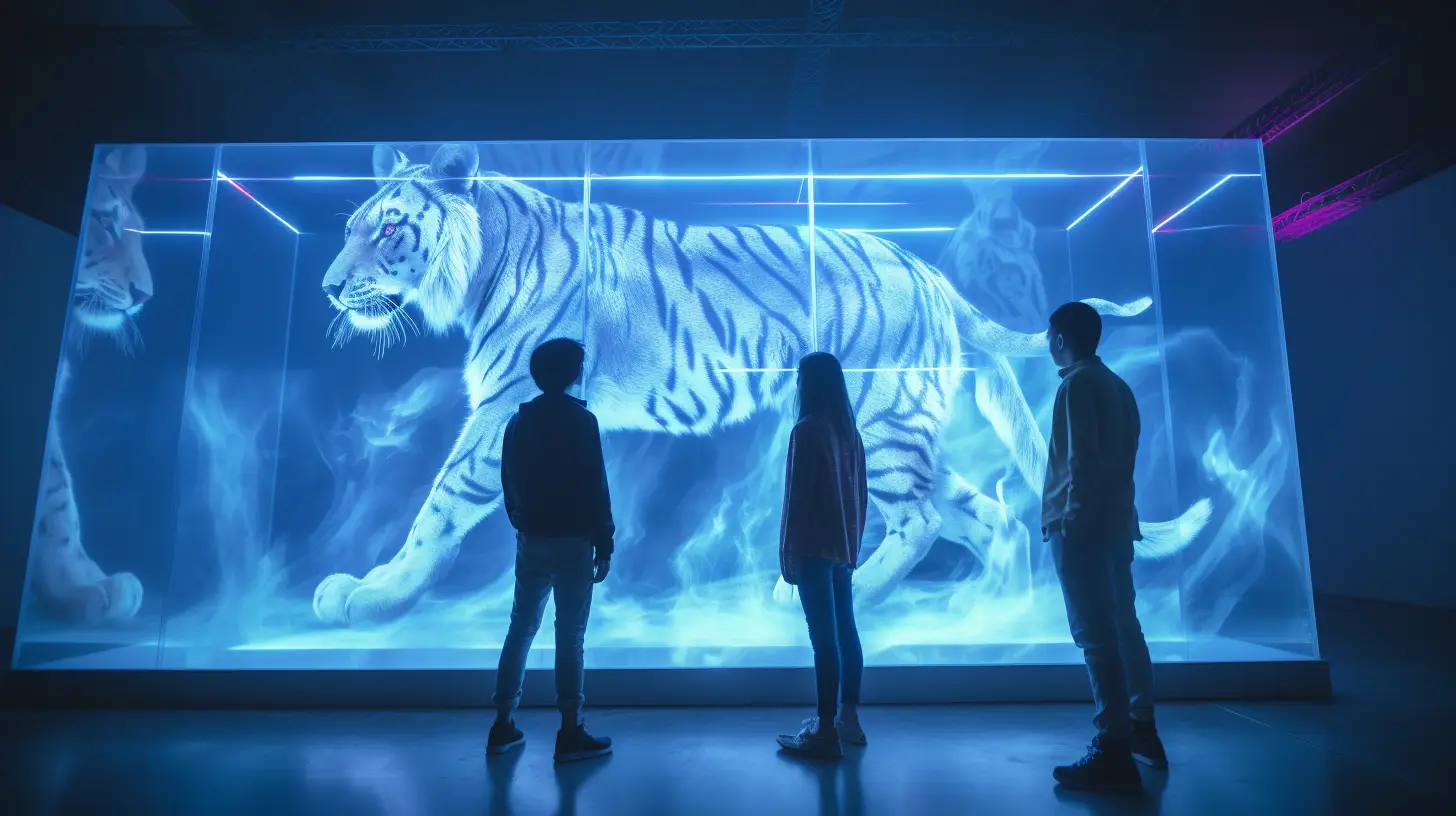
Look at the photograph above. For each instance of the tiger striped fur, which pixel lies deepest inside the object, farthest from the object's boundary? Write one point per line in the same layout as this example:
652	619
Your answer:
688	329
113	280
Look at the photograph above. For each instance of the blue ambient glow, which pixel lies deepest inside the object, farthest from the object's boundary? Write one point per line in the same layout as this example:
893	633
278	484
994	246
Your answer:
279	447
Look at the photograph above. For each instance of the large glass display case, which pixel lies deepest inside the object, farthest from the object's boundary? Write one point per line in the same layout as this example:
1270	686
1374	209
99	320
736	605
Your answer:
275	440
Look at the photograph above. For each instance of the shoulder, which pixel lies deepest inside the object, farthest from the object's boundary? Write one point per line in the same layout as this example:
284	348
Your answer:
1088	378
581	419
812	427
580	411
825	435
1110	380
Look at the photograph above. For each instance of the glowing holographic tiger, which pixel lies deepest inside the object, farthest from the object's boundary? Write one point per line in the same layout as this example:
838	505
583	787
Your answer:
112	282
688	329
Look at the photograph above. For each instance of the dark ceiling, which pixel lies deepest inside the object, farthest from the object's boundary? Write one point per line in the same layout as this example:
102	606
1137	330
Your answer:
88	71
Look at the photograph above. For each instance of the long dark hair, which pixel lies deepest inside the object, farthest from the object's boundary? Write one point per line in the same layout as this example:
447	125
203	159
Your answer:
822	391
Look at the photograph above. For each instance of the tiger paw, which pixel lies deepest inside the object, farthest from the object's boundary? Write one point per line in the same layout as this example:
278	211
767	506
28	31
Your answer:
331	599
86	604
123	596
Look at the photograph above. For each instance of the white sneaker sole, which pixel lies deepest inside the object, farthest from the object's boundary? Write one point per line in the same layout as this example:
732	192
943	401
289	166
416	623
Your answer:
1150	762
497	750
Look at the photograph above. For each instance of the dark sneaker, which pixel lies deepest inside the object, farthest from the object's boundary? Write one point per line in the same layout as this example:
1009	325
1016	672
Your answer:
574	744
503	737
1147	748
813	741
1108	766
850	731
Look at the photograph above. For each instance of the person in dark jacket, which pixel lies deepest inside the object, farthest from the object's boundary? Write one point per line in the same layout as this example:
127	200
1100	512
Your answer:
555	486
825	499
1089	519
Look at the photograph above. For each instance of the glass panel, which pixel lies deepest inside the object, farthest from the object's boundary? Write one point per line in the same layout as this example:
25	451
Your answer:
224	567
101	549
1110	259
1245	579
365	314
1013	229
700	311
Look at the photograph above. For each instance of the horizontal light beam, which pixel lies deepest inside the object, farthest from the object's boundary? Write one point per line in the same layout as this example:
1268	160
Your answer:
894	229
805	203
1104	199
168	232
266	209
912	370
745	177
1221	182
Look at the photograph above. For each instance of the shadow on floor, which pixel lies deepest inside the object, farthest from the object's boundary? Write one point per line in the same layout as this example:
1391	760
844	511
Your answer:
1366	751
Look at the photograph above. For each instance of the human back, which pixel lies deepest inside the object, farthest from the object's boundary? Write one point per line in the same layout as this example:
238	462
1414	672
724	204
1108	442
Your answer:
1119	425
556	473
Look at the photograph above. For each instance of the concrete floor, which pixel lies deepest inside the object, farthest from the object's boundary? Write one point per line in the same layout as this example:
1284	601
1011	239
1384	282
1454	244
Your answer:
1373	750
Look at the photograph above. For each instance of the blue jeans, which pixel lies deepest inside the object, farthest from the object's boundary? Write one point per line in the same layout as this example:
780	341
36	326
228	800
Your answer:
543	565
1096	576
826	591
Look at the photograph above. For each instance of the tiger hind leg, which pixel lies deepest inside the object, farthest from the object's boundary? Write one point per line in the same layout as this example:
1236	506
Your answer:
986	527
902	487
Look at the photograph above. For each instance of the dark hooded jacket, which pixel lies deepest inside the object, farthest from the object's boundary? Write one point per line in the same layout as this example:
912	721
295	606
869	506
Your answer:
553	475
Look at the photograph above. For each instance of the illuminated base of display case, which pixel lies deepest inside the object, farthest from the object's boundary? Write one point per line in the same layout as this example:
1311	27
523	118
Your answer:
1047	672
355	688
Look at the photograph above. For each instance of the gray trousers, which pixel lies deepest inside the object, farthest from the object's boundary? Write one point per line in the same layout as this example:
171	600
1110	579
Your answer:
1096	576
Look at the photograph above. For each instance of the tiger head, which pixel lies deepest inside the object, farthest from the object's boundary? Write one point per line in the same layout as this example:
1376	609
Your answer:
113	280
416	241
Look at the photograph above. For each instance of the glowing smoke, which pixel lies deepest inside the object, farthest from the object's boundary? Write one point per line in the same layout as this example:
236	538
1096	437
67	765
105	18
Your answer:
712	604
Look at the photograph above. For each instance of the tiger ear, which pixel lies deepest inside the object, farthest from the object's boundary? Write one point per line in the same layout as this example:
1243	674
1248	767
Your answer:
124	165
387	161
455	166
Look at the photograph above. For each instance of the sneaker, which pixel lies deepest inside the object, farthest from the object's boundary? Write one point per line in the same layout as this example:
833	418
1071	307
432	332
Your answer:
1147	748
1108	766
504	736
574	744
813	741
849	730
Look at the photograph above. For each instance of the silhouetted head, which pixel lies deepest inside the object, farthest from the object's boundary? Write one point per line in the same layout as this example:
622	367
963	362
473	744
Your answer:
822	390
556	364
1073	332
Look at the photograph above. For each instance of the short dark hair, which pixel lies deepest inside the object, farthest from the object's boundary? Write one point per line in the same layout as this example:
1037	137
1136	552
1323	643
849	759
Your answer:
1080	324
556	364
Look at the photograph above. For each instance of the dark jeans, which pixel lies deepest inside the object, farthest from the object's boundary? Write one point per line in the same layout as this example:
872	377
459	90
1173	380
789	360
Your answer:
826	592
1096	576
543	565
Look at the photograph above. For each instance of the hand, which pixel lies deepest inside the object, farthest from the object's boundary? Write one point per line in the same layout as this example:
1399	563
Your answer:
600	568
785	593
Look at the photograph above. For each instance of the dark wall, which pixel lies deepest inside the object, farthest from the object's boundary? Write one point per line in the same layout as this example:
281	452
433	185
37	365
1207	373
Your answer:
1368	308
36	261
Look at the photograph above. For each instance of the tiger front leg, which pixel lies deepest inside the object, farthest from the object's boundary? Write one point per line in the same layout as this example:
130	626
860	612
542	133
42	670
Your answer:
467	490
67	582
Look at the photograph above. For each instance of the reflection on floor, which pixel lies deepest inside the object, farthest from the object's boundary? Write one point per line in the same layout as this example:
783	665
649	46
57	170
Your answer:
1365	753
